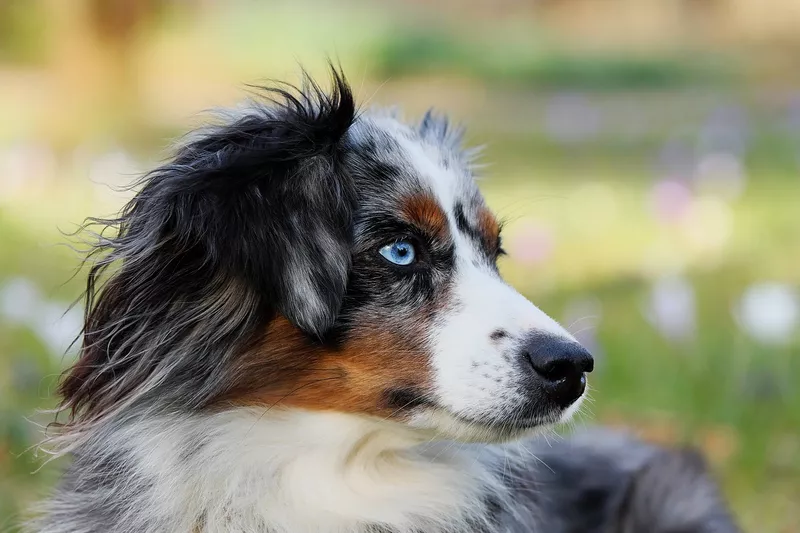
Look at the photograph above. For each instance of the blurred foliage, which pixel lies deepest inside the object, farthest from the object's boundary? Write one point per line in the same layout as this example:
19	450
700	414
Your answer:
434	50
579	147
23	35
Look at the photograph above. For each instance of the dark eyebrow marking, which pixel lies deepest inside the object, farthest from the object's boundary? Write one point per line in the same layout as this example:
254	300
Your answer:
461	221
487	233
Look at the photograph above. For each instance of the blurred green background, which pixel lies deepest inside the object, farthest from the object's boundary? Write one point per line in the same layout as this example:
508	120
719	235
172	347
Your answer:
645	153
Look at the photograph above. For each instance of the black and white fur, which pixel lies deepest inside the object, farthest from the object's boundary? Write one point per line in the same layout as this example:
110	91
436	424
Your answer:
240	297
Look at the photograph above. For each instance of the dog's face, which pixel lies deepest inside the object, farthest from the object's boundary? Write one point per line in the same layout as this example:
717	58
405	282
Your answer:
428	332
360	277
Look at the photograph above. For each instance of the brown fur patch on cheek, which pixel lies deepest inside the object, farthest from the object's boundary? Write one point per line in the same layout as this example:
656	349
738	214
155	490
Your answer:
355	377
425	212
375	363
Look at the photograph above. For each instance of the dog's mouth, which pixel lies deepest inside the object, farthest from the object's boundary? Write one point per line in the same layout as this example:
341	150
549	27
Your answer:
437	419
449	424
513	422
491	430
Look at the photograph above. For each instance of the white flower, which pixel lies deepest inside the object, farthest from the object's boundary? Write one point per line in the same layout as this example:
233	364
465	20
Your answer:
58	325
19	301
769	312
22	304
671	308
721	174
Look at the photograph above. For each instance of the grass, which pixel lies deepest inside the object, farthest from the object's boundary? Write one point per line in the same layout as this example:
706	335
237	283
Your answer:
529	60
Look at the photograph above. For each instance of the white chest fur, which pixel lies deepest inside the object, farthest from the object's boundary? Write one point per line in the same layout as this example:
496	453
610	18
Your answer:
295	471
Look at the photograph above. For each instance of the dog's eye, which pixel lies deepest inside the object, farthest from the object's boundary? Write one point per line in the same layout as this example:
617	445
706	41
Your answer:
400	253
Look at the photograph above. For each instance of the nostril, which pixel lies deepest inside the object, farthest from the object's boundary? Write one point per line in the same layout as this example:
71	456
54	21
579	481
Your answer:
557	370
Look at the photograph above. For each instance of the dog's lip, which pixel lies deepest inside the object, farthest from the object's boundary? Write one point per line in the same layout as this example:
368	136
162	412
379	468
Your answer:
510	423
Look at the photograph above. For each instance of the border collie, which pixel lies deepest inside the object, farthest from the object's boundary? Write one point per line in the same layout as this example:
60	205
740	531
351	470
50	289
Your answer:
298	325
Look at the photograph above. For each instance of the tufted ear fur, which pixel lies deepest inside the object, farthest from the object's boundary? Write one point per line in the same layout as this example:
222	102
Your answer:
250	219
264	200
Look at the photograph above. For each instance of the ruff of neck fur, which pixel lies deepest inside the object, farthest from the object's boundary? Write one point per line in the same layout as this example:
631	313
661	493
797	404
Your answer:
287	472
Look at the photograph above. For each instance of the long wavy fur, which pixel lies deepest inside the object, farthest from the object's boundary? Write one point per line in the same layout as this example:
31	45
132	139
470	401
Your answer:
179	283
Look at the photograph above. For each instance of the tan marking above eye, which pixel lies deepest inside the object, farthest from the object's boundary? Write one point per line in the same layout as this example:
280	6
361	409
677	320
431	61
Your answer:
489	227
424	211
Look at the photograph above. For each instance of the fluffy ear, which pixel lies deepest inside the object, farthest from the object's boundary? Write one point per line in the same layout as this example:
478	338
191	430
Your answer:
262	199
438	130
249	219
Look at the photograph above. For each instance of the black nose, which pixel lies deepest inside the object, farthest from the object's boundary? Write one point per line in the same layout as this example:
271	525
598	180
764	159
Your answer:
560	365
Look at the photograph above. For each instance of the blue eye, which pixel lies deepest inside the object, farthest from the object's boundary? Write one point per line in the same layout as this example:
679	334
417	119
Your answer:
400	253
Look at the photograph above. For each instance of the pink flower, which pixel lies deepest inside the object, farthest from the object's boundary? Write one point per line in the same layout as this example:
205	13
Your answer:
532	244
670	200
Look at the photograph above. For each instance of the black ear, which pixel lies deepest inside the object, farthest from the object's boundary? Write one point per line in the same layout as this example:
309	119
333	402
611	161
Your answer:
263	199
250	219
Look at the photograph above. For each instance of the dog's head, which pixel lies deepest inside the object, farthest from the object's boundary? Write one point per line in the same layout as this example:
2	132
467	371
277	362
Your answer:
306	256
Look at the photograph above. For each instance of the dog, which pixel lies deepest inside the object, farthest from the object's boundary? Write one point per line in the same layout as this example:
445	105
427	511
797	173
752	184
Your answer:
298	325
